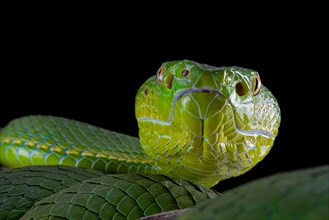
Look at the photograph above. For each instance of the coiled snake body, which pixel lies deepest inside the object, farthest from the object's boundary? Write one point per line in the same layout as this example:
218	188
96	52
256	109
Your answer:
197	123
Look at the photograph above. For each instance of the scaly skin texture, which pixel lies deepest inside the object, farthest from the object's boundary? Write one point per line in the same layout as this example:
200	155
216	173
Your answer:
203	123
196	122
120	196
301	194
48	140
20	188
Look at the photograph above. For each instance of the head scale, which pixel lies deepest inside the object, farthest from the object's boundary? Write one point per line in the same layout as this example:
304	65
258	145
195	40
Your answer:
205	124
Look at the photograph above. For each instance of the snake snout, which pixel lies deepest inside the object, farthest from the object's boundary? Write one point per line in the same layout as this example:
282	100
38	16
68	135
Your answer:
201	109
202	103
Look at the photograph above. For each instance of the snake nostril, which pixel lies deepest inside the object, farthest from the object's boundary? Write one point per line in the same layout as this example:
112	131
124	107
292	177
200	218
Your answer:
185	72
241	89
146	91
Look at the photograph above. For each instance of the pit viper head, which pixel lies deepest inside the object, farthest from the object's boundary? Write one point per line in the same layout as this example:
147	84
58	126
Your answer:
205	124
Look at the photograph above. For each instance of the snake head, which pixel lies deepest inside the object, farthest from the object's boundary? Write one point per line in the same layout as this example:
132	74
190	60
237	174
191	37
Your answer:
204	123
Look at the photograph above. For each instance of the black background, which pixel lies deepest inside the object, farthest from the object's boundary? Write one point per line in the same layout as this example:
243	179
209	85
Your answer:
91	73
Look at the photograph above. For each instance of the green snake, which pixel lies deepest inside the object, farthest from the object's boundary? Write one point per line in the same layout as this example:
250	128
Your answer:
300	194
197	123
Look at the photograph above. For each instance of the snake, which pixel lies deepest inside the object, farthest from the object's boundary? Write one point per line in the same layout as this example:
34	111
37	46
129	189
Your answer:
297	194
198	125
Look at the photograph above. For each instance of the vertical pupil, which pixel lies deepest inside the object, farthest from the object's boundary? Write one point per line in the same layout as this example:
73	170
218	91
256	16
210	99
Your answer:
160	76
256	85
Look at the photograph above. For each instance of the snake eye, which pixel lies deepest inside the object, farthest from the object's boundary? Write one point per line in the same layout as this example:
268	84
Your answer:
160	75
256	84
185	72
